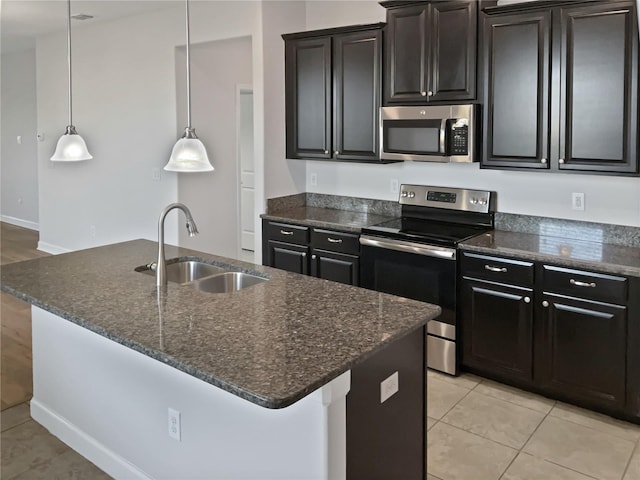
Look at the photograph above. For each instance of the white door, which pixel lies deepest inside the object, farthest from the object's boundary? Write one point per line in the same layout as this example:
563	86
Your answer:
247	174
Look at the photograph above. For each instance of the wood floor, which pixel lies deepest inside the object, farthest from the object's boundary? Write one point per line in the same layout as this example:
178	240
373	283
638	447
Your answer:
16	378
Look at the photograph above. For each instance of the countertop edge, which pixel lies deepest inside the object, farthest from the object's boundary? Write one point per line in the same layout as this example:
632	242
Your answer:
557	259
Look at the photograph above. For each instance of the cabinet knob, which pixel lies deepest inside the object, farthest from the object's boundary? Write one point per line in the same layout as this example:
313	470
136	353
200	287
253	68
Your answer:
429	93
527	300
561	160
543	160
545	303
326	152
337	152
424	94
313	257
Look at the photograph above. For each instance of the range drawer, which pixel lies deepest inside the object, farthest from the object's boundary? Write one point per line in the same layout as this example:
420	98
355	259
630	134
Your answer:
335	241
584	284
497	269
286	232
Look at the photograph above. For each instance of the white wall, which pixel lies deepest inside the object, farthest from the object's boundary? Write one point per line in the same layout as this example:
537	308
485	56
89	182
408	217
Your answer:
281	177
608	199
19	201
124	96
216	69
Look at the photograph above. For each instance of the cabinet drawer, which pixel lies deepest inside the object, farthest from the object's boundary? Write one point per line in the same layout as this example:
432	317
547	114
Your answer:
584	284
286	232
335	241
497	269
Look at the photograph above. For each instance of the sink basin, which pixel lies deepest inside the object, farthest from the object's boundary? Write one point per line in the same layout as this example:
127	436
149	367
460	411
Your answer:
227	282
186	271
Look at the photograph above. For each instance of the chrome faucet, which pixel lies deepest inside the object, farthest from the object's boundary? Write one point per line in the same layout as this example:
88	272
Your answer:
161	264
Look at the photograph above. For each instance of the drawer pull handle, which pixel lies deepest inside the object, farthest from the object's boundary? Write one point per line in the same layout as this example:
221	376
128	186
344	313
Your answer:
495	269
286	232
334	240
578	283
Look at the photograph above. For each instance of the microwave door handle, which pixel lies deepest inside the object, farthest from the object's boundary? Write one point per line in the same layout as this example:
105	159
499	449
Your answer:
443	127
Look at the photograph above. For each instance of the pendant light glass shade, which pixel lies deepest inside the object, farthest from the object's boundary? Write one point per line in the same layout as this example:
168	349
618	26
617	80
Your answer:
189	153
71	147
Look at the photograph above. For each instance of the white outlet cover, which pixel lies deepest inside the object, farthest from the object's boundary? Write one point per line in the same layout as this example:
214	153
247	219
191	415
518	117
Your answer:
389	387
174	424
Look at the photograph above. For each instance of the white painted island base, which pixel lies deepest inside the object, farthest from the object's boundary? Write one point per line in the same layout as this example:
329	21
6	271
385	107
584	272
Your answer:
110	404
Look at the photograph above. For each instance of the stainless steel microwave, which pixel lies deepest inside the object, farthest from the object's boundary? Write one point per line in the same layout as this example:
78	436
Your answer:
436	133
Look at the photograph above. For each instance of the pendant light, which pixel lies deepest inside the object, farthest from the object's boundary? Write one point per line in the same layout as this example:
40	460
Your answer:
71	146
189	153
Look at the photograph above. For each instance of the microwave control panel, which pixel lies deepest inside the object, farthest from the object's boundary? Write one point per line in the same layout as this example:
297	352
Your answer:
458	136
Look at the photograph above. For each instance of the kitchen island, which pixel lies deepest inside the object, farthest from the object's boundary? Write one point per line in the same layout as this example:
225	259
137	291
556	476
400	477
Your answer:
250	384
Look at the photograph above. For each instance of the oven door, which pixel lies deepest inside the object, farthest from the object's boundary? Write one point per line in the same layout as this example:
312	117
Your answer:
421	272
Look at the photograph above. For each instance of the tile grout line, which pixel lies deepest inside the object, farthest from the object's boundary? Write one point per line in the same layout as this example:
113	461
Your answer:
633	452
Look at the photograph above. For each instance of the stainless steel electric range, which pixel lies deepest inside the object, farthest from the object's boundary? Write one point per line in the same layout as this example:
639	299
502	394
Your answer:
414	256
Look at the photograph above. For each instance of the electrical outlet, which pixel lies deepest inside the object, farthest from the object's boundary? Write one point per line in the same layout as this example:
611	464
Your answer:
156	174
40	137
313	179
389	387
577	201
174	424
92	230
19	139
393	185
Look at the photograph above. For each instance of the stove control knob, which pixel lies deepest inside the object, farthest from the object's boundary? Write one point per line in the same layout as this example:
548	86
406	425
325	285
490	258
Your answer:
403	194
473	201
483	201
412	194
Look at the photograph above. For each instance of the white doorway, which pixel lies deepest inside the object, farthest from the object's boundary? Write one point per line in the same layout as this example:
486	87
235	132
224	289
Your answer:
246	172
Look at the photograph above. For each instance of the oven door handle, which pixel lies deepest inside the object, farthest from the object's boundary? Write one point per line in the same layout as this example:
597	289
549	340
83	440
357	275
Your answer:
408	247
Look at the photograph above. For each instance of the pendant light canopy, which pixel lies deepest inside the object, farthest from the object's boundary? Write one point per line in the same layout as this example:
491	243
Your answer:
189	153
71	146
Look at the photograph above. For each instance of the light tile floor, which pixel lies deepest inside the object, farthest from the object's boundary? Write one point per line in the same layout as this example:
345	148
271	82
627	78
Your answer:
477	430
482	430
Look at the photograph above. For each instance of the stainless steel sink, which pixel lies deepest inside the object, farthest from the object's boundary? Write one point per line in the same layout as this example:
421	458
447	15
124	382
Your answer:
185	271
227	282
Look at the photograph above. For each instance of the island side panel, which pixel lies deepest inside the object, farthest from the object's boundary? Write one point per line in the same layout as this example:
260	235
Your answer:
386	430
111	403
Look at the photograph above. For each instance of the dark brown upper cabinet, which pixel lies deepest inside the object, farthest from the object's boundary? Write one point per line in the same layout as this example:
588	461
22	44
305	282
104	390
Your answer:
430	52
561	87
333	81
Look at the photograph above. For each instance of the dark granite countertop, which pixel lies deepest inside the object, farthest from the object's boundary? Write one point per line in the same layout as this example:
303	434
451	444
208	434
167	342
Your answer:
604	257
271	344
320	217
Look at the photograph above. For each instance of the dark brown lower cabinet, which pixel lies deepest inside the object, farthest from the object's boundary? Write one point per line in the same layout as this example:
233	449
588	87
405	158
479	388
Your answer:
498	328
322	253
569	334
582	350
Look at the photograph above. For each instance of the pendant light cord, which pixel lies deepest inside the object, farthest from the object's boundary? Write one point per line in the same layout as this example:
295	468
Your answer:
69	54
188	70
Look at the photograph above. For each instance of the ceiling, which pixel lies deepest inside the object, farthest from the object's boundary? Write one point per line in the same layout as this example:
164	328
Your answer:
21	21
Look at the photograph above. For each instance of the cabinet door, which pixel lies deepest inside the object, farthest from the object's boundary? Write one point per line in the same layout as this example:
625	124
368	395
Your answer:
497	329
357	63
516	61
287	256
453	34
406	55
599	88
308	99
582	354
335	266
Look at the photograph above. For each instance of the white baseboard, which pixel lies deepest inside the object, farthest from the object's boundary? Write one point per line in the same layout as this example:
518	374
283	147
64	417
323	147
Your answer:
52	249
20	222
84	444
